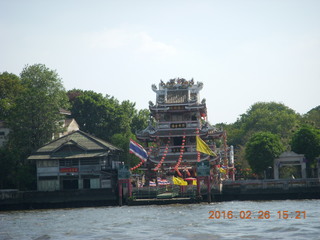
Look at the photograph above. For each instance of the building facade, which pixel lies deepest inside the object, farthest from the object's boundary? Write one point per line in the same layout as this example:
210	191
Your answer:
76	161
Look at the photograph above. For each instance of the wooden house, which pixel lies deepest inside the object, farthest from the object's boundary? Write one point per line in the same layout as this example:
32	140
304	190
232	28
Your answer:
76	161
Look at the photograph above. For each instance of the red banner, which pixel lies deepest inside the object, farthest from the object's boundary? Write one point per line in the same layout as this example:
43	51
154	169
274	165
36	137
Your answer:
66	170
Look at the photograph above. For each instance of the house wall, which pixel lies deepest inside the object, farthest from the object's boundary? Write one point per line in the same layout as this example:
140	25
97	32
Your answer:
53	175
72	127
47	177
48	185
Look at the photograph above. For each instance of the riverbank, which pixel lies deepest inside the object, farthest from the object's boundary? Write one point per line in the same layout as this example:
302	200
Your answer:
228	191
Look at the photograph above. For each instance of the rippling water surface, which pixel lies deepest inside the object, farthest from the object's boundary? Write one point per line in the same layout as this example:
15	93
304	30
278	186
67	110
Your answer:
168	222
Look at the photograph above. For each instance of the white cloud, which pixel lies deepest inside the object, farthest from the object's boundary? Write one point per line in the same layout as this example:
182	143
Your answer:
149	45
138	42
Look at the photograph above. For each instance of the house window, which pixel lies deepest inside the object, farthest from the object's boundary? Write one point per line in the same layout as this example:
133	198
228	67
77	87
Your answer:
48	178
69	162
89	161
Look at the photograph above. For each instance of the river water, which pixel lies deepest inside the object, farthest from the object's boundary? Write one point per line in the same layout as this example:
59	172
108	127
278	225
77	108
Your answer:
290	219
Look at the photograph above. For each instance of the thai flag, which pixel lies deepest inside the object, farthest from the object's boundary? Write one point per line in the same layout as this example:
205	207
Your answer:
138	150
152	184
162	182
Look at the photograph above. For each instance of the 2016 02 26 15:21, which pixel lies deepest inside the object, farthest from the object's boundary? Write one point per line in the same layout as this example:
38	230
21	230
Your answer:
247	214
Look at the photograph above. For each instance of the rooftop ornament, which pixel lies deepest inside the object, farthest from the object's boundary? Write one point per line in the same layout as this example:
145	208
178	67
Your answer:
176	83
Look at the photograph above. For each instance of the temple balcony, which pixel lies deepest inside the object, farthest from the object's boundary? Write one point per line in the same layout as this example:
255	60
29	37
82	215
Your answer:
166	107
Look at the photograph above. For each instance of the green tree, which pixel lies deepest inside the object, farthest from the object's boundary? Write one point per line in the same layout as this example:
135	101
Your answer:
8	167
140	120
307	141
10	88
269	117
35	116
261	149
105	116
96	114
313	117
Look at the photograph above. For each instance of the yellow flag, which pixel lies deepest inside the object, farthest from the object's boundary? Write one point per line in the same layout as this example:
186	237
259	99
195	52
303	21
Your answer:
179	181
203	147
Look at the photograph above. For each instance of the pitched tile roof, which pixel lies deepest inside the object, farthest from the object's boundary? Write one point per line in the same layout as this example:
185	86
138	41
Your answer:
85	144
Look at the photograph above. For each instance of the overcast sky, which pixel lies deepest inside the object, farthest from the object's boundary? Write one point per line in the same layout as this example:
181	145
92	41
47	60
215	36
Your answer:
244	51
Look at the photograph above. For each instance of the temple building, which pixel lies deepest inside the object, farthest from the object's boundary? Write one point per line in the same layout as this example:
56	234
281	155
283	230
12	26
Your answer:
177	117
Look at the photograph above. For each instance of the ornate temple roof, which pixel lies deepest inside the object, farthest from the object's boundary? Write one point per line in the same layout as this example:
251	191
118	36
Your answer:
177	91
178	83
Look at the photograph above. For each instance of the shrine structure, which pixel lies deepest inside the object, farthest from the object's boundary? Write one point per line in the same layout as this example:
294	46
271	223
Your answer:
177	117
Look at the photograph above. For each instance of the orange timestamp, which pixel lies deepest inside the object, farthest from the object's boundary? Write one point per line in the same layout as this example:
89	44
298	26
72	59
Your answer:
247	214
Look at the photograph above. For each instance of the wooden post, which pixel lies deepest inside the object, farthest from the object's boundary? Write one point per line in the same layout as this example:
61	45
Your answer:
209	189
129	188
120	192
198	187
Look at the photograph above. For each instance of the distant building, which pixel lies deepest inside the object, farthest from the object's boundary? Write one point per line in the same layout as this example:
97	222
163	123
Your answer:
68	124
76	161
4	131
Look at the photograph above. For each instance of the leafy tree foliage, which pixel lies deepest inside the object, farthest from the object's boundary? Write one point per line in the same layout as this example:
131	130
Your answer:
10	88
140	120
313	117
35	116
8	167
30	107
96	114
107	118
261	149
307	141
271	117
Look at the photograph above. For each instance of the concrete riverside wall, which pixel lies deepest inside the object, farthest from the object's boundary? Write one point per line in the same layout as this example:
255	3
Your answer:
13	199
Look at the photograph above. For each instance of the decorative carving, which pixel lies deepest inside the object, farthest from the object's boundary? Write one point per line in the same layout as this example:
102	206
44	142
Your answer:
193	97
177	83
154	87
160	99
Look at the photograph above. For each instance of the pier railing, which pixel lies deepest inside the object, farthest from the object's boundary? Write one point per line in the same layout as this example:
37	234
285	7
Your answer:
271	184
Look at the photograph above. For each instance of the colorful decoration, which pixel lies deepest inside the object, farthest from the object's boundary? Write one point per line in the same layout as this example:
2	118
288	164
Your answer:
198	153
163	157
176	167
